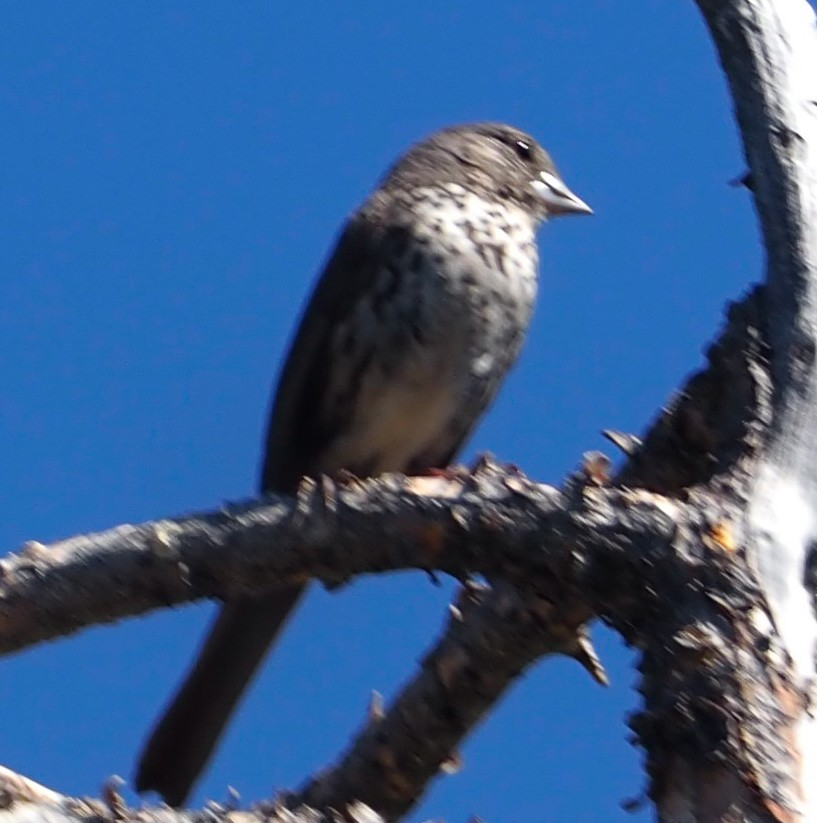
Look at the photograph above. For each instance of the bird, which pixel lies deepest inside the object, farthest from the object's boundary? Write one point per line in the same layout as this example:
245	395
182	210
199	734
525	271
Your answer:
418	315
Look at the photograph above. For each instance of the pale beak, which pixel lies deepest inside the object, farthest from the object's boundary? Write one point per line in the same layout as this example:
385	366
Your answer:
557	196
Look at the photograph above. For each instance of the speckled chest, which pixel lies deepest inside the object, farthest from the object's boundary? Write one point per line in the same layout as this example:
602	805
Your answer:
440	328
475	278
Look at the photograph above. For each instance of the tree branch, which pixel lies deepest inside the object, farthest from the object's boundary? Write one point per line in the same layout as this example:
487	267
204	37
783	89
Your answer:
726	726
495	523
24	801
492	637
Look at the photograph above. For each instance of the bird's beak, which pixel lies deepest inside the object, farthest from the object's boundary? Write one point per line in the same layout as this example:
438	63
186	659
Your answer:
557	197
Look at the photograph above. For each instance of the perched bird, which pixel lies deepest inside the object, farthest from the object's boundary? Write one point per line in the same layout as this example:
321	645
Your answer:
416	319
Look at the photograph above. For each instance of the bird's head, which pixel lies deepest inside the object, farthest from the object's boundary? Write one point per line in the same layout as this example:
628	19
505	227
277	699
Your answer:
493	160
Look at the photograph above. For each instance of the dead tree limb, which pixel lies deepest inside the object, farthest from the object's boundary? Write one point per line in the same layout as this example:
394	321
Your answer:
495	523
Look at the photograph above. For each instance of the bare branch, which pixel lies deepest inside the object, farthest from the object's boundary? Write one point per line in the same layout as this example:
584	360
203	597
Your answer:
24	801
14	787
491	639
495	523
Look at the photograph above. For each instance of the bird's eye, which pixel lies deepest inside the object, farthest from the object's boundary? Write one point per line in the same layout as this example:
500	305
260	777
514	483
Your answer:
524	150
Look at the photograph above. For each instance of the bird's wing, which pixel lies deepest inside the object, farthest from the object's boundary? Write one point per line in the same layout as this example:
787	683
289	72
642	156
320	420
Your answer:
302	421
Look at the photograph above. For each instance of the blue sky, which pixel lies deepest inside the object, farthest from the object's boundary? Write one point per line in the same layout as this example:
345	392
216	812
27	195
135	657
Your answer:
173	176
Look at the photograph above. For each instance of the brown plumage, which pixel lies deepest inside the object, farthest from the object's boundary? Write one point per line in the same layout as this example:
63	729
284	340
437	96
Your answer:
416	319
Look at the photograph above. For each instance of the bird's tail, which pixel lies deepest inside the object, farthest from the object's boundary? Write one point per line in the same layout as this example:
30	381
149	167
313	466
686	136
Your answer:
185	737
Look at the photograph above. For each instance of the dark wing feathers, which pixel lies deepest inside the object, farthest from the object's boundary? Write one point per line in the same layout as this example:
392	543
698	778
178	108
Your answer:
300	424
